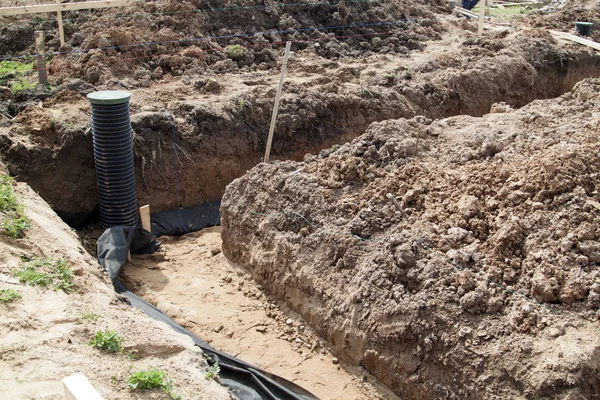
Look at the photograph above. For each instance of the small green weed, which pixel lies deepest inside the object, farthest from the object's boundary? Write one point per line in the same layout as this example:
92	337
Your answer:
212	372
15	68
90	316
16	222
22	85
109	341
235	51
14	227
46	272
16	72
9	295
152	379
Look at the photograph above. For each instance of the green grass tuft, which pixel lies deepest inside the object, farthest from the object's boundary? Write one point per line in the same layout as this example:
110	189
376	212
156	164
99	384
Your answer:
45	273
16	72
152	379
508	12
90	316
9	295
8	67
235	51
22	85
109	341
16	223
212	372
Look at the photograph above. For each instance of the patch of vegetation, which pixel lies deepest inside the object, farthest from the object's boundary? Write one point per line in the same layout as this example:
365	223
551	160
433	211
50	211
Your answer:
107	340
17	71
212	372
14	227
90	316
9	295
235	51
508	12
46	272
21	85
16	222
14	68
152	379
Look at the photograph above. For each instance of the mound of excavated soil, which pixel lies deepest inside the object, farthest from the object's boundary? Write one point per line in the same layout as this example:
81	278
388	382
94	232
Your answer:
221	121
45	335
484	285
193	37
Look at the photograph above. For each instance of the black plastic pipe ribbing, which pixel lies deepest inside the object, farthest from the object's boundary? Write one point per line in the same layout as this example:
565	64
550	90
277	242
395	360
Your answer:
584	28
113	153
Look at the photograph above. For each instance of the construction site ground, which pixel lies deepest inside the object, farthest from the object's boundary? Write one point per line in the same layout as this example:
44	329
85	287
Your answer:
427	228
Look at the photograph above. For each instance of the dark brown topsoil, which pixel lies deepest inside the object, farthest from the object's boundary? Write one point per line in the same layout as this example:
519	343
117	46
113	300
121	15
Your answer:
220	121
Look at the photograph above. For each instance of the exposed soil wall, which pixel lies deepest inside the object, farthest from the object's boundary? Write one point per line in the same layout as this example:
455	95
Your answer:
220	122
46	333
485	286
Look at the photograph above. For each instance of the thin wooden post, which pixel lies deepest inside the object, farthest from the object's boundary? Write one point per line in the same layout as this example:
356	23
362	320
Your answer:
481	17
145	217
40	55
277	99
61	30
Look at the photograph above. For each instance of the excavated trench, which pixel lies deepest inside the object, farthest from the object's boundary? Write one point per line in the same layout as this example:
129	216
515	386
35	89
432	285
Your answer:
218	137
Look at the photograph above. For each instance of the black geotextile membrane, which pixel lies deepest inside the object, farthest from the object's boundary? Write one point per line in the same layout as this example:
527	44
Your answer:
245	381
186	220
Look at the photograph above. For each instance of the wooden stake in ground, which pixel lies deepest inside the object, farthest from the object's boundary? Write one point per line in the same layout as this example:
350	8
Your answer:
481	17
40	56
61	30
145	217
277	99
77	387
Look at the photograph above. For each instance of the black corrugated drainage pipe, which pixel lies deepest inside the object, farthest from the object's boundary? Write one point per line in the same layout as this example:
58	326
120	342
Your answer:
584	28
113	153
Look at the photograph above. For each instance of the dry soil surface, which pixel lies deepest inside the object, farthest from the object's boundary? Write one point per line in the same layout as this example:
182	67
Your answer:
44	336
192	282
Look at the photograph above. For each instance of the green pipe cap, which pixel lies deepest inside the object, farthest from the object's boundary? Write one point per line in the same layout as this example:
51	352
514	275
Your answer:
109	97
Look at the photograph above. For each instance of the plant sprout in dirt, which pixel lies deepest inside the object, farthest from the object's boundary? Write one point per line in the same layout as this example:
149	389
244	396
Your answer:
108	340
152	379
9	295
15	222
54	273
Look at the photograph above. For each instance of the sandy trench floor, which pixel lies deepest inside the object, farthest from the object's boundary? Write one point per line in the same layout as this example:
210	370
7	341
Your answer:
191	281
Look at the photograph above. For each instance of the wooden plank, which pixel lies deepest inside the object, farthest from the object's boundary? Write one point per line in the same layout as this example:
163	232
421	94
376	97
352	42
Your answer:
576	39
40	57
77	387
145	217
61	31
45	8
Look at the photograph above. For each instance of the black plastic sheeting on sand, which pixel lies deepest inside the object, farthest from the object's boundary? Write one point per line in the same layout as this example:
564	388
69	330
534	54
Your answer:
175	222
245	381
186	220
